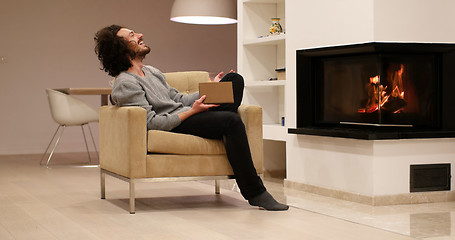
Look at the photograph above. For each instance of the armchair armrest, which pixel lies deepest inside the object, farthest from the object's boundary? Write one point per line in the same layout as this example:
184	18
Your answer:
123	146
252	119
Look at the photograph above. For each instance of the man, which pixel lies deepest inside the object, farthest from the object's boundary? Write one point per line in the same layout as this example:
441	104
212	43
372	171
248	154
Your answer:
121	52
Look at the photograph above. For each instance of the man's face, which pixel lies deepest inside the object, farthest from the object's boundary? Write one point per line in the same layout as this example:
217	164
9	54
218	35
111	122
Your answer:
135	41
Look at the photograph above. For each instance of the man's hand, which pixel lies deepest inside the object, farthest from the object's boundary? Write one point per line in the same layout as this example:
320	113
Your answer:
220	75
198	106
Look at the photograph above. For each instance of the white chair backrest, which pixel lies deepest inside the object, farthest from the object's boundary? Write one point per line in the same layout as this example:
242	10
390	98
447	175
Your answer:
67	110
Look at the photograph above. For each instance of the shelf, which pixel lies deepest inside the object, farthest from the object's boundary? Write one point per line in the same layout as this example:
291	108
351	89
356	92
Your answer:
265	83
274	132
269	40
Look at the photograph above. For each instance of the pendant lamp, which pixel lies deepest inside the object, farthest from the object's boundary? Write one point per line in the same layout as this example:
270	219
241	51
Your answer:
207	12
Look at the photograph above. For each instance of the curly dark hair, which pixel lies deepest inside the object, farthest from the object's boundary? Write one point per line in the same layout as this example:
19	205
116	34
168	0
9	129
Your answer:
113	51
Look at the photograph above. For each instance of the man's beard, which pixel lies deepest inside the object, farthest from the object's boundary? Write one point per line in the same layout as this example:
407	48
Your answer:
138	52
141	53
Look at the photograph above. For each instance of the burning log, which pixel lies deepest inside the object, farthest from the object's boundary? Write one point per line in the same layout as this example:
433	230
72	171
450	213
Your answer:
375	93
394	104
378	98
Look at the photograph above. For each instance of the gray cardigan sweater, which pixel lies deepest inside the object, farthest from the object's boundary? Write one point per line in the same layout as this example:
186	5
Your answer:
161	101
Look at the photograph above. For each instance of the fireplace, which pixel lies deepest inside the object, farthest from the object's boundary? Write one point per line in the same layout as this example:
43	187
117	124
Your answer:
377	91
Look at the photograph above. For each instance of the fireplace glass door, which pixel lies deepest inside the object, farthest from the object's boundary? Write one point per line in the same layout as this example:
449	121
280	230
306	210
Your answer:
377	89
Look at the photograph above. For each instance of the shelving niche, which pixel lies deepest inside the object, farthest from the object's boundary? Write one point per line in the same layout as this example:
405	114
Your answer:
259	55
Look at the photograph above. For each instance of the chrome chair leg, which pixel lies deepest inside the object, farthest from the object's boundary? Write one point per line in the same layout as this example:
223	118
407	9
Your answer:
217	186
132	197
103	184
47	148
86	145
56	143
93	140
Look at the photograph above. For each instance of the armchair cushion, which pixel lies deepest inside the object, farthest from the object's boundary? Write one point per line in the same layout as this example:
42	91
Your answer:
175	143
171	165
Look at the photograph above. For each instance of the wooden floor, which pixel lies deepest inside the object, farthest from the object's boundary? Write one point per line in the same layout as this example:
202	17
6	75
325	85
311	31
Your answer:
64	203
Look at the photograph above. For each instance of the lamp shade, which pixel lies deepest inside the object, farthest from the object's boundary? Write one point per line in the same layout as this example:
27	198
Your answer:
209	12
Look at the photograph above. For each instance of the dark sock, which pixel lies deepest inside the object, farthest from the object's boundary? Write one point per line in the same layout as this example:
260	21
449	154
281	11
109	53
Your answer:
266	201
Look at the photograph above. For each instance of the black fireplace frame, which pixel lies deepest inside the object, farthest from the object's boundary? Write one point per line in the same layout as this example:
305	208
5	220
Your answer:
306	87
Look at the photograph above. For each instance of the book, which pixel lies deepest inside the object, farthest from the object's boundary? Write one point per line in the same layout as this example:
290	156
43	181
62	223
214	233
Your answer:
216	92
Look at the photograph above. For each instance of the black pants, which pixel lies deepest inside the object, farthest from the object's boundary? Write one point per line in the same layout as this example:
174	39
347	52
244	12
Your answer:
223	121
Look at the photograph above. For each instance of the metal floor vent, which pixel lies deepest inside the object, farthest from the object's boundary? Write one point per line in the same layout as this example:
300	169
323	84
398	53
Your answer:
430	177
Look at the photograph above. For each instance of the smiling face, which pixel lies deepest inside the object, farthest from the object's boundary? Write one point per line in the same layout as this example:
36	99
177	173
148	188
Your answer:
135	40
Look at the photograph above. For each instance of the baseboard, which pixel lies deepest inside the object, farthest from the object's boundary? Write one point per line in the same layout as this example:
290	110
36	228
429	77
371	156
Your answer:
279	174
408	198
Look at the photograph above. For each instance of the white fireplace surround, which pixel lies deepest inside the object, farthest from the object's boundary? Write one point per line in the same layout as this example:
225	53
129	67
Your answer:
369	171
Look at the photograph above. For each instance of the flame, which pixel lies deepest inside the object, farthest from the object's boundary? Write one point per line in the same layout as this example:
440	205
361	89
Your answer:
374	79
379	98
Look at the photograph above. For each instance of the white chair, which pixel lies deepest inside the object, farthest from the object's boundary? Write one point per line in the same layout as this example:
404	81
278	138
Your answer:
69	111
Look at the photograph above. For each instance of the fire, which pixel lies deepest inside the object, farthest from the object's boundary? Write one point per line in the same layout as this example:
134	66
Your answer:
374	79
380	98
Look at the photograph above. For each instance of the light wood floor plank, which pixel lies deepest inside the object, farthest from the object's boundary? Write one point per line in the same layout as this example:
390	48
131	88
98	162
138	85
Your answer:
4	234
64	203
20	224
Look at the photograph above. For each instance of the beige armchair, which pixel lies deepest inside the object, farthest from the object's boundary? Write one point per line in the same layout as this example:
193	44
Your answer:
131	153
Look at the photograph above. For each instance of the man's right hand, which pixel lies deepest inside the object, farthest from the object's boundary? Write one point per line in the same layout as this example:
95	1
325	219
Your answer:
198	106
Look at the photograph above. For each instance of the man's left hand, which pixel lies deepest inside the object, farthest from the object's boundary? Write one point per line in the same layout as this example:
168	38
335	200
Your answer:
220	75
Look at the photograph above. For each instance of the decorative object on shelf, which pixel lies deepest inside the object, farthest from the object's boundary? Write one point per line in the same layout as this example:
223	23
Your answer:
281	73
276	28
206	12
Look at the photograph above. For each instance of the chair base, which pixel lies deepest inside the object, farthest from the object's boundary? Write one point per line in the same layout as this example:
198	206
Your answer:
58	140
132	181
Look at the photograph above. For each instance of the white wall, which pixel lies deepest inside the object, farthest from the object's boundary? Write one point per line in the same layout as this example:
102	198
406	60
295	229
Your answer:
414	21
49	44
360	166
333	163
392	160
371	168
311	24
